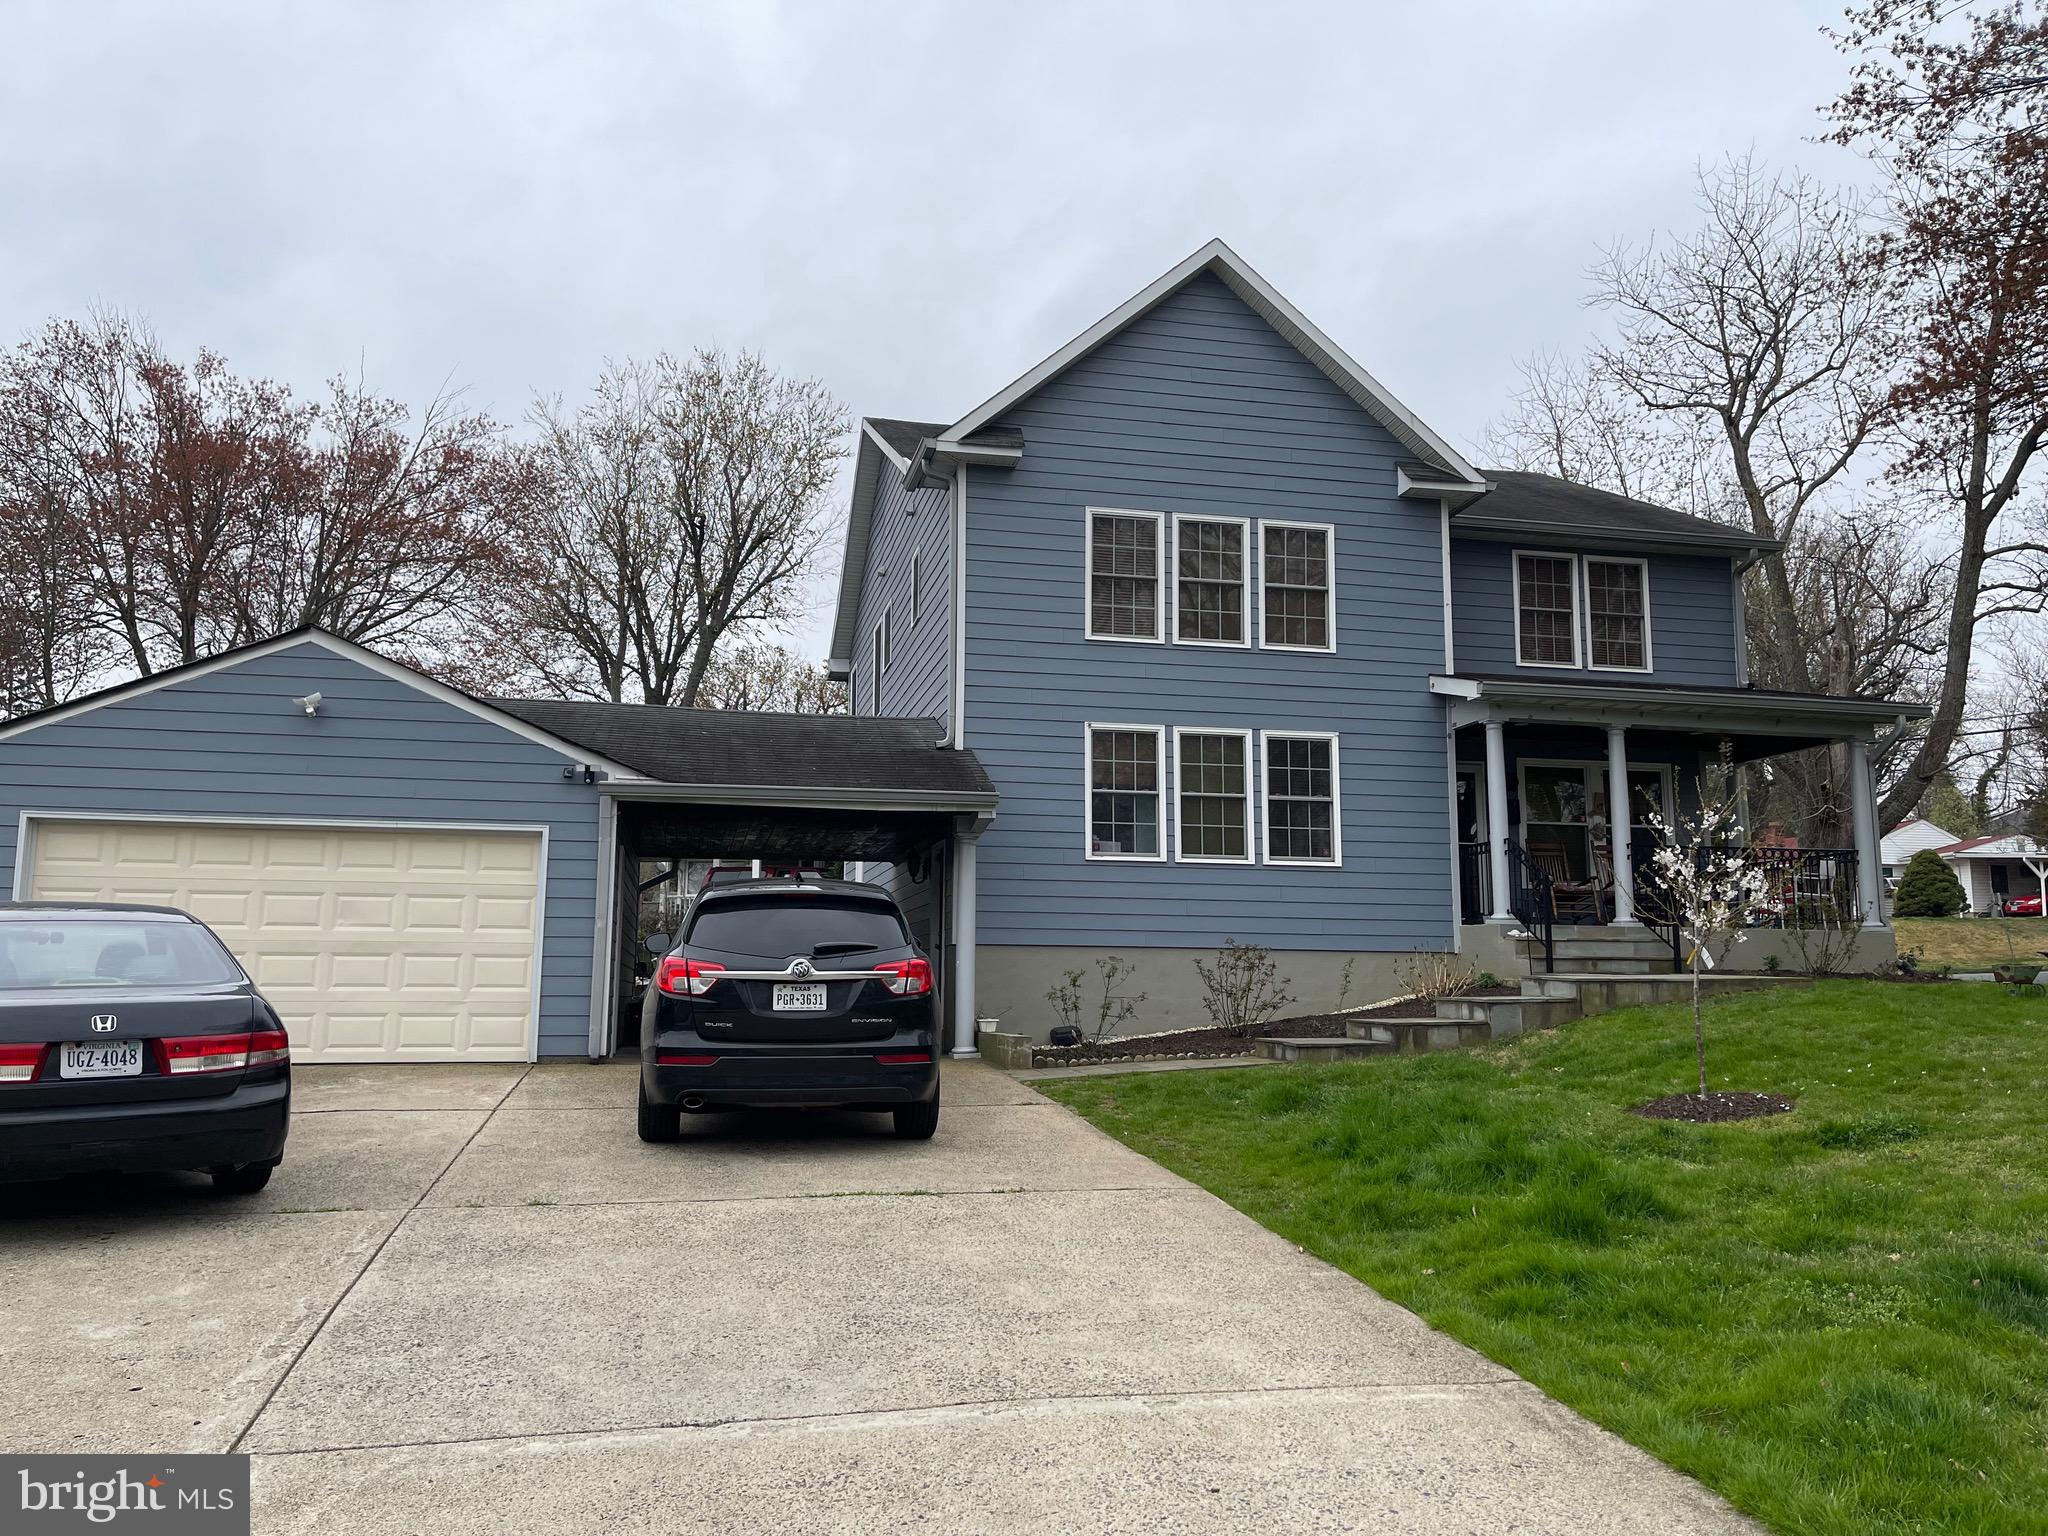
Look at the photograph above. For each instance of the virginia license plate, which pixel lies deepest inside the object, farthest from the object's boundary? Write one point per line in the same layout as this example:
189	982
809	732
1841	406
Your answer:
804	999
93	1058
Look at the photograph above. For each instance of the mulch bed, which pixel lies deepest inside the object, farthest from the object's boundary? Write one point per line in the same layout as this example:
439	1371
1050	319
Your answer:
1212	1042
1713	1107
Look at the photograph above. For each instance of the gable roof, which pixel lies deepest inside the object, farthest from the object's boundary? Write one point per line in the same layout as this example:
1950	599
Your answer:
1996	846
310	634
902	437
1266	301
1910	836
729	749
1523	501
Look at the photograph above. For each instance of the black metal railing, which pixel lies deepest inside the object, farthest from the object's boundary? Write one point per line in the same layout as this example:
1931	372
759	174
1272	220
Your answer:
1813	888
1475	882
1533	901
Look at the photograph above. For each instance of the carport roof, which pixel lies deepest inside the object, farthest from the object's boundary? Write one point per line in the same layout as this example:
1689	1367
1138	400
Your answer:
731	750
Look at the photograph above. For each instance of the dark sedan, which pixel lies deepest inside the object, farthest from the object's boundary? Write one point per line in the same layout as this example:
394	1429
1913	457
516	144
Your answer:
790	992
131	1041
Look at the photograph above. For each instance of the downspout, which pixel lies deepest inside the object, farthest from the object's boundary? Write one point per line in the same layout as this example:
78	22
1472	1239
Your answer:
924	471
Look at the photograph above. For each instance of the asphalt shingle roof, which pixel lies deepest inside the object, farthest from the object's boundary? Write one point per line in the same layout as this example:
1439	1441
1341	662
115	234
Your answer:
904	436
732	747
1547	502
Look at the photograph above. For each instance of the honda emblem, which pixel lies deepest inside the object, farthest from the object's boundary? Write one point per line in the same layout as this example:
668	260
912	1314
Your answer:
103	1023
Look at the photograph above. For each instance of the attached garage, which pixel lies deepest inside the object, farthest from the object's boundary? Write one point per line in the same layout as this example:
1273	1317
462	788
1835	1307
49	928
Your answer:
401	943
414	874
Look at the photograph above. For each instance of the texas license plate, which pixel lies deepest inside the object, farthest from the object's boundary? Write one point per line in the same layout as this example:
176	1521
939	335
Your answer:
93	1058
805	999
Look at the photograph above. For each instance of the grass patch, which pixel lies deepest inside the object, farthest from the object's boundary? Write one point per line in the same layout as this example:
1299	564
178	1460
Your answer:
1972	943
1838	1318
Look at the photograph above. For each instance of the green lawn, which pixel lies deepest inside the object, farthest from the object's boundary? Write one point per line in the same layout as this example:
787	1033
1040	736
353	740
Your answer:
1838	1317
1972	943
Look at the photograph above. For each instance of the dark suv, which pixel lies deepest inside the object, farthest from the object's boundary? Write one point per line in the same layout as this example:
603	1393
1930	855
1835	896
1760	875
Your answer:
781	992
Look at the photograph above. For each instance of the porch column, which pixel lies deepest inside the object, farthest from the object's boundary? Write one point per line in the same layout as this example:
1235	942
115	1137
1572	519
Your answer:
963	947
1497	817
1619	839
1863	804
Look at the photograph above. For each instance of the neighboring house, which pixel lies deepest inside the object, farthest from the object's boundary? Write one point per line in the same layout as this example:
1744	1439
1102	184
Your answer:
1994	868
1908	838
1250	652
414	874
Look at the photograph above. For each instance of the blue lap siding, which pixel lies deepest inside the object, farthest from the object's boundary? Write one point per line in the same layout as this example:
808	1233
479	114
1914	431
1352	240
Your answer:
1692	615
231	744
1200	407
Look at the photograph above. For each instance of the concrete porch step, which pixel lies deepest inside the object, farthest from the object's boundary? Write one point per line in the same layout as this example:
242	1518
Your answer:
1597	991
1506	1016
1644	946
1320	1048
1414	1035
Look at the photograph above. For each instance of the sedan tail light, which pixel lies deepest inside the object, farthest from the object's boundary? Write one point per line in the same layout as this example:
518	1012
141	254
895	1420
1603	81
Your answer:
21	1063
907	978
223	1053
680	976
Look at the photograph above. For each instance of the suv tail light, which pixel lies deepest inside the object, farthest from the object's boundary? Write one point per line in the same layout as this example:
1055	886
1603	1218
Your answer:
21	1063
679	976
907	977
223	1053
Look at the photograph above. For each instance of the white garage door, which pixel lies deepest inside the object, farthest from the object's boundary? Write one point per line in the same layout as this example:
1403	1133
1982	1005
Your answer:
372	945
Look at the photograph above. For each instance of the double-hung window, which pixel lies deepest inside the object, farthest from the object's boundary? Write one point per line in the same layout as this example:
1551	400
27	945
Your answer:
916	585
1212	577
1617	614
1301	797
1212	796
1124	599
1546	610
1294	586
1124	779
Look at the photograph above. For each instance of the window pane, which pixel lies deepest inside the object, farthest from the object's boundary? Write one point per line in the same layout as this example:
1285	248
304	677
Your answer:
1123	797
1212	797
1123	595
92	952
1300	800
1616	614
1297	576
1546	621
1209	565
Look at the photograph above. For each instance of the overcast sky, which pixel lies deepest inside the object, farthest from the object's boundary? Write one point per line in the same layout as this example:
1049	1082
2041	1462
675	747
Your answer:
913	203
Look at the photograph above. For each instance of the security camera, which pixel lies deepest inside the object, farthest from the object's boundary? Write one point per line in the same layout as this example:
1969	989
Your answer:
310	703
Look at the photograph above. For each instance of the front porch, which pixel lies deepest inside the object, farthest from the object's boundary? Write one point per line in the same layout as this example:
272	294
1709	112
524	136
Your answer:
1544	839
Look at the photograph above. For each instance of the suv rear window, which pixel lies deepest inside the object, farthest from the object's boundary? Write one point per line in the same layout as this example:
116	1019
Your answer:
96	952
780	926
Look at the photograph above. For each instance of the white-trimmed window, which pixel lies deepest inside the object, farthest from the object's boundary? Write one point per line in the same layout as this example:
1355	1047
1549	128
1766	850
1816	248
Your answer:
1546	610
916	585
1125	571
1303	805
1294	586
1212	796
881	650
1125	780
1211	581
1617	614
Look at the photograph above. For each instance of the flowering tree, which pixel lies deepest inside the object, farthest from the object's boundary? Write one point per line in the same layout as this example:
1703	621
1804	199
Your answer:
1712	888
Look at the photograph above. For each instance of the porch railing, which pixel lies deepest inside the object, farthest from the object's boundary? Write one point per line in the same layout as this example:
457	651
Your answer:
1814	887
1475	882
1533	901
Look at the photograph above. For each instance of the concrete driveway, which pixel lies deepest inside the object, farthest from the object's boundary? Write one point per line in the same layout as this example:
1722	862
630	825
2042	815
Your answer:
471	1300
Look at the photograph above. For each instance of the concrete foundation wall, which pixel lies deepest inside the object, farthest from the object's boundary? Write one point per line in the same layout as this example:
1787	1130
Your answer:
1868	949
1011	981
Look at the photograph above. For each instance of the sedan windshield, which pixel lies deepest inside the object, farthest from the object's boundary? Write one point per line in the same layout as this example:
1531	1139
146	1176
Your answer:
94	952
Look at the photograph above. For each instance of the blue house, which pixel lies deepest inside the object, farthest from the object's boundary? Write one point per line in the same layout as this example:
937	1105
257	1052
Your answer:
1250	652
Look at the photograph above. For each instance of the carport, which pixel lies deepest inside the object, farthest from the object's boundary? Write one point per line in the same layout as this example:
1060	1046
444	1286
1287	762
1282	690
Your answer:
882	793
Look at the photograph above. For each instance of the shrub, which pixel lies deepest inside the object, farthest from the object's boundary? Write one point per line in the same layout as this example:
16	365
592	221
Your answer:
1243	990
1928	888
1430	974
1112	1011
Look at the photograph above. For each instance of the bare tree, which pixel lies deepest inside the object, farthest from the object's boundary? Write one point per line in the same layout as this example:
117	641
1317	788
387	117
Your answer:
766	676
1763	325
1951	102
686	501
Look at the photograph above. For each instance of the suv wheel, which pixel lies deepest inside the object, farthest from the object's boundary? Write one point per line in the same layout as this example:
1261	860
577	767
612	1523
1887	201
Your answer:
916	1122
659	1122
241	1178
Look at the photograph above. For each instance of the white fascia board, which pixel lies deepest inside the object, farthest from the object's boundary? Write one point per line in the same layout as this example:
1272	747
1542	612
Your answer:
853	560
1274	309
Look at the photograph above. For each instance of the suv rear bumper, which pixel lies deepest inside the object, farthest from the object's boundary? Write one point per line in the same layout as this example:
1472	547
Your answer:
810	1076
247	1125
